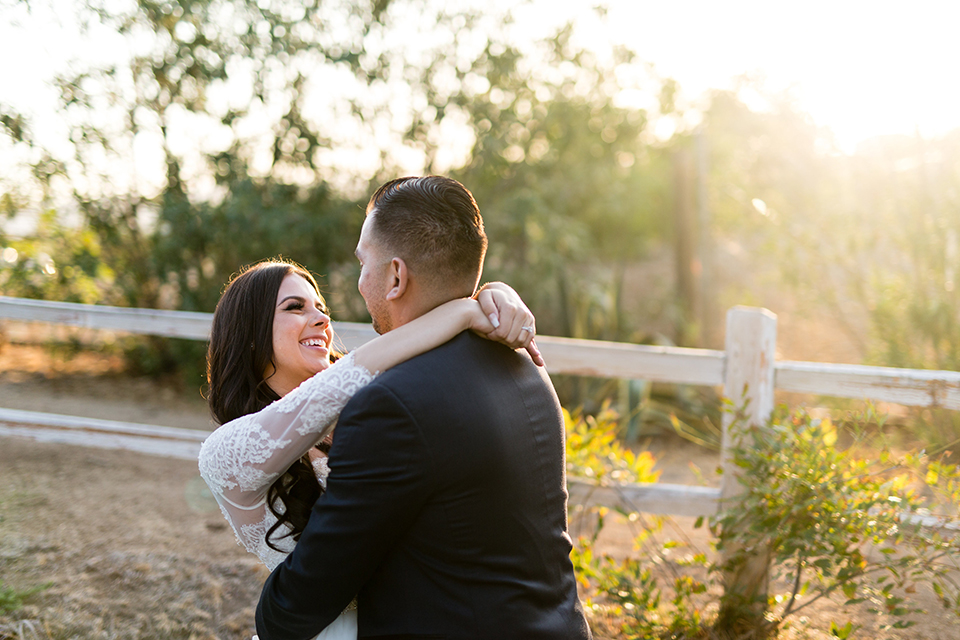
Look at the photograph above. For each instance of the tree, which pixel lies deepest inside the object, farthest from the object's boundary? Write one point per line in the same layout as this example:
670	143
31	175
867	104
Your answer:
570	188
205	148
224	96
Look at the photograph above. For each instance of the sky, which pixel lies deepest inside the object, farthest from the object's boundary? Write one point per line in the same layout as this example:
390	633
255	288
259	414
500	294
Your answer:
860	68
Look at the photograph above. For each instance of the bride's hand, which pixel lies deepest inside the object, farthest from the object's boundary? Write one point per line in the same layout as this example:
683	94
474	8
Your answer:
514	324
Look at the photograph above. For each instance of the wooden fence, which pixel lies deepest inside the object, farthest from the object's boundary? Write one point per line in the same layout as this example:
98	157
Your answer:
747	363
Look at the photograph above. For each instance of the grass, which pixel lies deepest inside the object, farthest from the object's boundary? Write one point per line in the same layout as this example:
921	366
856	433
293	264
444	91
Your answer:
12	600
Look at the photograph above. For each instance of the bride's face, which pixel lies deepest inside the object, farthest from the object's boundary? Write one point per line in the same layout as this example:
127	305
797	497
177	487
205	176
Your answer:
301	335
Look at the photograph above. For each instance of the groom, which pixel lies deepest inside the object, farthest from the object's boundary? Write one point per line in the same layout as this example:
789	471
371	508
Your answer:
445	511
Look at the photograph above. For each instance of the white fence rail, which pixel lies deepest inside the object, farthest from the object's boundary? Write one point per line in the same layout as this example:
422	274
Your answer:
170	442
748	360
154	322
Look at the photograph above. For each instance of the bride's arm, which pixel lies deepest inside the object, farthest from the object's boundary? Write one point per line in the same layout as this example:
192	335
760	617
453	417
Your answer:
497	314
243	457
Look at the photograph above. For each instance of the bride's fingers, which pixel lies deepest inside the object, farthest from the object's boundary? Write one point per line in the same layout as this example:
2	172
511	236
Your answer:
509	329
515	326
535	355
506	310
489	307
521	329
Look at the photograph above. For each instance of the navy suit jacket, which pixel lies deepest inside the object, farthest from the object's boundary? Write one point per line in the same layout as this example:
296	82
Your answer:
445	510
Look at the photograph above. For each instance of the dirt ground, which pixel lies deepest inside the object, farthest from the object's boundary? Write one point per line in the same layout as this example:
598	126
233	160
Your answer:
131	546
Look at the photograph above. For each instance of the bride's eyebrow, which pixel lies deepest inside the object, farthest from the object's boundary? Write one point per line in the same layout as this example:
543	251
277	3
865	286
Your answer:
297	298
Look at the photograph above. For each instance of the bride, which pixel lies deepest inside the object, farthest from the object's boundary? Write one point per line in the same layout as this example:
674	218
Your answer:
276	395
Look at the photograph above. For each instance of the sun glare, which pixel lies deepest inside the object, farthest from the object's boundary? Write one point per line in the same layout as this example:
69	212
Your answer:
862	69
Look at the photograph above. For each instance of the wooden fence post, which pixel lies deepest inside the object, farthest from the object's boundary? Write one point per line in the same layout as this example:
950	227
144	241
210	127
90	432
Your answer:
748	378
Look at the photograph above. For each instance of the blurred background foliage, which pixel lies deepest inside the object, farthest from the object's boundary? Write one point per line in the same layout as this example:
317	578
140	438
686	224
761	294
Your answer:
238	130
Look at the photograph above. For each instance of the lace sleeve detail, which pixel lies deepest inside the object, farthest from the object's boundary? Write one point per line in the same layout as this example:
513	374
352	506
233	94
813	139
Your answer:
242	458
322	469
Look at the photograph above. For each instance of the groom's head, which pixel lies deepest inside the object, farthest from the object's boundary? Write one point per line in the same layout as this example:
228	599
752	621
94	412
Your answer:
421	245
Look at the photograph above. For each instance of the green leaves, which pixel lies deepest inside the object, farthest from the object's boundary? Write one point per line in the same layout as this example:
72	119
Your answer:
842	632
817	508
833	522
594	451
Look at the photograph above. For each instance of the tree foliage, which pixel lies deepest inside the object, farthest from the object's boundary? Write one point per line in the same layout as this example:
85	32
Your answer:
216	142
570	188
215	94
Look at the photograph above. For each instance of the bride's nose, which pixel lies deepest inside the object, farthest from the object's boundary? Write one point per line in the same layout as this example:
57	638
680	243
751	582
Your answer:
322	319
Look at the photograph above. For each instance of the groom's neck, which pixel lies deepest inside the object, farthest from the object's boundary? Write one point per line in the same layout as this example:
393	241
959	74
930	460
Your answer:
422	303
416	308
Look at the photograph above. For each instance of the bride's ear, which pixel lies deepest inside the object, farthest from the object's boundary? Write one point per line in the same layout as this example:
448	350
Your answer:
399	279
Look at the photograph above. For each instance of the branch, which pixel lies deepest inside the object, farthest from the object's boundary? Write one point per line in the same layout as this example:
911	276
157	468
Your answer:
796	586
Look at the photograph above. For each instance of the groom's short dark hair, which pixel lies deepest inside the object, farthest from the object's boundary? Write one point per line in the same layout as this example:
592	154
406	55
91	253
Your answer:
434	224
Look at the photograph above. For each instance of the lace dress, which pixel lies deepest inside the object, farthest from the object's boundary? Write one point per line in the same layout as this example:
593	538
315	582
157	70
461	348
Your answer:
242	458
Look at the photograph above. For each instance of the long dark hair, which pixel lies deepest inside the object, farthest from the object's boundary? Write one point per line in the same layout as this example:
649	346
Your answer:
241	350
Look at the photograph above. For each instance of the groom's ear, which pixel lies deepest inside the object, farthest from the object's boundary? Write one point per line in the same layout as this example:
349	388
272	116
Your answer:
400	278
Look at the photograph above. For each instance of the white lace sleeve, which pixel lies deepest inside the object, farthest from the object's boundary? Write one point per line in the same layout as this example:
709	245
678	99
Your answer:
242	458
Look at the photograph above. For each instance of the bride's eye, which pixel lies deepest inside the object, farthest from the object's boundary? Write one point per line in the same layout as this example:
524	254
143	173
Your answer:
294	306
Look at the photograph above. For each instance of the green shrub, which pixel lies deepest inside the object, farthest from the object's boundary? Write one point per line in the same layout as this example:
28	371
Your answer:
835	523
595	452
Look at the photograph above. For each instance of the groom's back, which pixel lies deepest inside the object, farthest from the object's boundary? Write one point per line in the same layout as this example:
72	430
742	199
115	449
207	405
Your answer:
487	555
